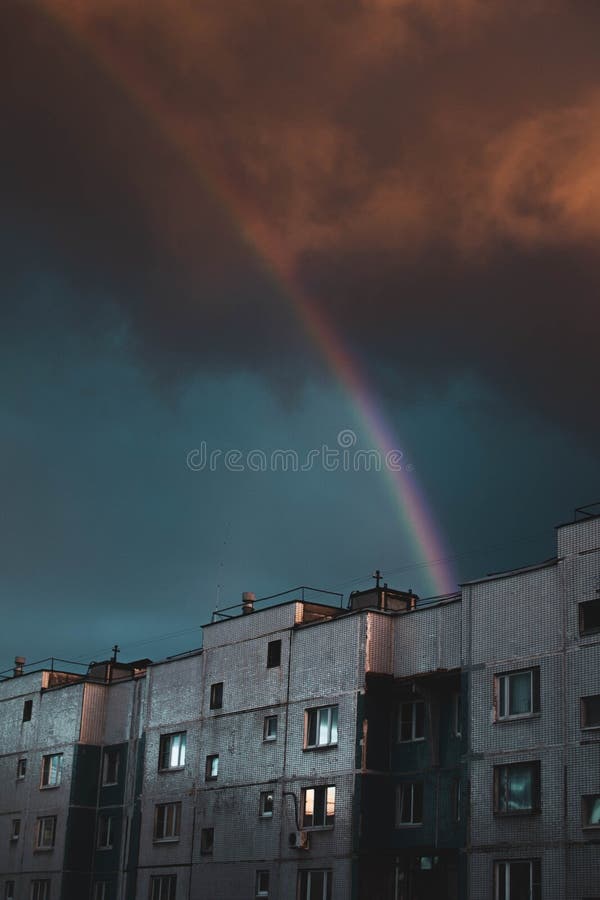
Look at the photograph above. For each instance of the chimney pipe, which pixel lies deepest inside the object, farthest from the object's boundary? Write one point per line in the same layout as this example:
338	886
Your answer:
248	599
19	663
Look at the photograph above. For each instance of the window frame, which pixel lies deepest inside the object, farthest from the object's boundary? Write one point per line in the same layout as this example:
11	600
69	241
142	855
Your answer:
269	738
27	711
457	797
40	889
261	891
40	826
167	887
320	804
21	768
274	654
502	694
101	890
51	773
9	889
111	759
266	809
583	716
416	788
535	766
535	877
586	812
15	830
216	695
414	721
332	726
105	830
304	886
207	841
457	722
584	632
170	814
212	762
165	751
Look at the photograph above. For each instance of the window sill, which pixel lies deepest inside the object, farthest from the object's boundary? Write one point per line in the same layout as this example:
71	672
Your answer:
49	787
166	840
402	825
113	783
271	740
104	849
524	717
517	812
417	740
171	769
313	828
43	849
319	747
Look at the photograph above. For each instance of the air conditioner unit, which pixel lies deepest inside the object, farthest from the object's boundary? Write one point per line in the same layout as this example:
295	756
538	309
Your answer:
299	840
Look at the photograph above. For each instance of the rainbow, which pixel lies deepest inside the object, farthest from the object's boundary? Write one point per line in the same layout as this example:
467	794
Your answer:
413	511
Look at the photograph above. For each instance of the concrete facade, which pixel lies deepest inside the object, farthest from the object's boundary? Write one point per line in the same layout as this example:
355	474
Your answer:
394	750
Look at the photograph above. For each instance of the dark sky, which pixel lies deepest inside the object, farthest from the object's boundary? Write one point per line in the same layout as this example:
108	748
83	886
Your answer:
180	183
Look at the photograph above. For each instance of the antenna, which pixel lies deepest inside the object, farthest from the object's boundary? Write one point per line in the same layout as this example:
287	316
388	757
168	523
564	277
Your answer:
377	576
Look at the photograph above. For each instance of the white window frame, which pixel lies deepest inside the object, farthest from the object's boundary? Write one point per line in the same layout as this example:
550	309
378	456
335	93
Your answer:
105	837
506	865
410	788
40	889
167	822
267	735
42	842
324	717
51	770
172	748
502	695
307	875
327	803
414	705
261	889
266	806
163	887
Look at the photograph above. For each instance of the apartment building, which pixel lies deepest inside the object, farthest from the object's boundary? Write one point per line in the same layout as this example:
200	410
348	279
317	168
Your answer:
394	749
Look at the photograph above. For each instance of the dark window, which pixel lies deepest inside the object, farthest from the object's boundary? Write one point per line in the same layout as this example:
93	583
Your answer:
589	617
51	770
266	805
457	714
15	830
172	751
27	710
163	887
591	810
409	803
216	695
517	788
110	767
590	711
9	890
456	799
40	889
207	841
517	694
273	654
104	840
270	728
321	729
262	883
517	879
167	821
411	721
101	890
318	806
212	767
21	768
314	884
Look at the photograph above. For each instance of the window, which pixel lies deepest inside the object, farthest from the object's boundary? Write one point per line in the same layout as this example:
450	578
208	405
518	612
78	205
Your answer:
110	767
172	751
591	810
15	829
409	803
318	806
101	890
321	726
40	889
590	711
216	695
21	769
456	799
314	884
517	879
207	840
262	883
211	772
457	714
411	724
265	809
167	821
51	770
517	694
45	833
589	617
517	788
105	836
270	728
162	887
27	710
273	654
9	890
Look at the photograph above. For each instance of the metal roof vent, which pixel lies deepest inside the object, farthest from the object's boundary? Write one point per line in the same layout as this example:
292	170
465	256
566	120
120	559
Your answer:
248	599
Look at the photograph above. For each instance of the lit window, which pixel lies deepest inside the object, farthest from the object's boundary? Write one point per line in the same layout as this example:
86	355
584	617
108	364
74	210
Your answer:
590	711
51	770
9	890
15	830
517	788
105	837
262	883
40	889
212	767
21	769
27	710
516	694
45	833
110	767
321	726
163	887
314	884
273	654
216	695
517	879
265	810
270	728
591	810
411	722
207	841
101	891
167	821
589	617
318	806
172	751
409	803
